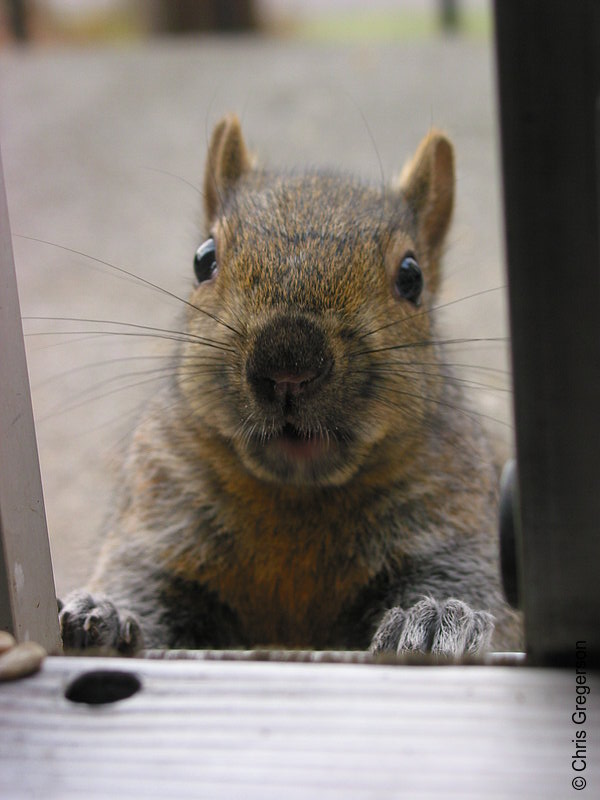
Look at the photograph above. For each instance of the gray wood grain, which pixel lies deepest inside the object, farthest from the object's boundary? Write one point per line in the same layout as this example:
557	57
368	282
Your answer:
233	729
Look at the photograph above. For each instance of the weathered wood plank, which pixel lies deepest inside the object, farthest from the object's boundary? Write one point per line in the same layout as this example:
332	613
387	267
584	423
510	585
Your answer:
232	729
27	597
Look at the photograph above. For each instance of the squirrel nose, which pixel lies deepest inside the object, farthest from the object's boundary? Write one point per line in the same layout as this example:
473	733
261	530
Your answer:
288	384
284	386
289	361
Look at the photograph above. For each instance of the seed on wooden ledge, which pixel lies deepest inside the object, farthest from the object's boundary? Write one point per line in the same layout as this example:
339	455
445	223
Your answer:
22	660
7	641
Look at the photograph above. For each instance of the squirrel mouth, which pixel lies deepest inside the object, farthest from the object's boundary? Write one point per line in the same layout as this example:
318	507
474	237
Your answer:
304	457
297	445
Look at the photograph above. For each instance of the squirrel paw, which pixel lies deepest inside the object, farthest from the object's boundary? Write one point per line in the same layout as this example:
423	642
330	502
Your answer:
449	628
88	621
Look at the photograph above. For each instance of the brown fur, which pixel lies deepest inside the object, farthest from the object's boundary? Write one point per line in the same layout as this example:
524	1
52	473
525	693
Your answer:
400	501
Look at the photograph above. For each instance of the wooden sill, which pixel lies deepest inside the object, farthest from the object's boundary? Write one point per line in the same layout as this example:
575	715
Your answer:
208	726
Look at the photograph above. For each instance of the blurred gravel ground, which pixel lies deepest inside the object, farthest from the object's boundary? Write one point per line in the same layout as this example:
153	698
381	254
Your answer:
100	147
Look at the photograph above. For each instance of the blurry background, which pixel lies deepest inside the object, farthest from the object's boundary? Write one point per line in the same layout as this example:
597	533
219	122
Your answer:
86	20
106	107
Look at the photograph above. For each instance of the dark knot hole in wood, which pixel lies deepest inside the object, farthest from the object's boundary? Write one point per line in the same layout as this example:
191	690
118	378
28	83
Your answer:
103	686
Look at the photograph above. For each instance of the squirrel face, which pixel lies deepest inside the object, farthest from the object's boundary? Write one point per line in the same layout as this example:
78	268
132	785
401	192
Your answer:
310	348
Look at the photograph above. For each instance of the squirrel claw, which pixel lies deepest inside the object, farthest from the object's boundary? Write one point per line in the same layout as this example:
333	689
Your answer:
449	628
87	621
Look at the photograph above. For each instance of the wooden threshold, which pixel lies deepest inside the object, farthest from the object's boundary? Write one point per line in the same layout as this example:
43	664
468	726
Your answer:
221	728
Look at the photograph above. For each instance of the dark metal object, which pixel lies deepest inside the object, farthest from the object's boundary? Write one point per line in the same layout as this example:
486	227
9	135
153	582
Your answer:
510	532
548	56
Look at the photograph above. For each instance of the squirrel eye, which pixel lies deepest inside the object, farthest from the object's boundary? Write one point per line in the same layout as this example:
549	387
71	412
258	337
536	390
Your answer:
409	280
205	261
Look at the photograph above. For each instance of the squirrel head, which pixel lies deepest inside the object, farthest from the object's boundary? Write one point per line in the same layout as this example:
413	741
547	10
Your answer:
310	348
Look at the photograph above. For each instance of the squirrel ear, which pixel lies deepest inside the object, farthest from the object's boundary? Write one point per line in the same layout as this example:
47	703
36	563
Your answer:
227	161
427	182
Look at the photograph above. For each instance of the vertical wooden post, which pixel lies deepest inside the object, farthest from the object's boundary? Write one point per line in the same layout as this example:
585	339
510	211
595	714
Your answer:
548	57
27	595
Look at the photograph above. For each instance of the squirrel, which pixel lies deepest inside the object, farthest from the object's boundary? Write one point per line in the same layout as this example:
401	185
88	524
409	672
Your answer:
310	477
